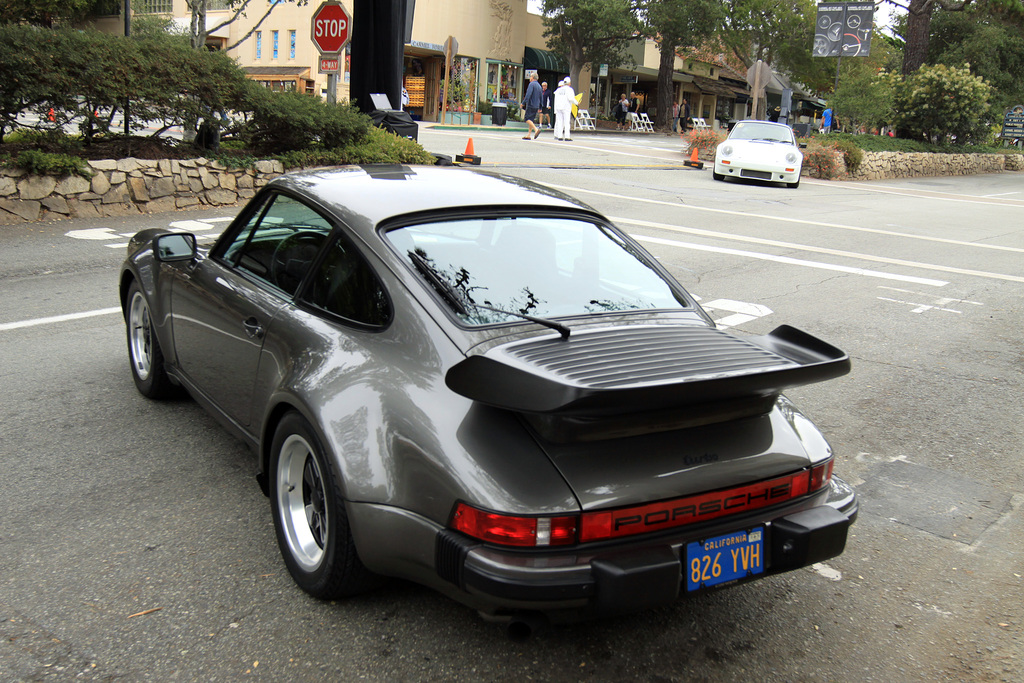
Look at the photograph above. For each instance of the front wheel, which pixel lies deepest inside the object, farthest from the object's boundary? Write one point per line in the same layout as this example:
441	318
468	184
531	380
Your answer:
144	354
309	515
717	176
794	185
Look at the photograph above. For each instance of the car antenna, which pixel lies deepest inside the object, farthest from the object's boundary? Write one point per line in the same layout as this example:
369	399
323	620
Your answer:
457	302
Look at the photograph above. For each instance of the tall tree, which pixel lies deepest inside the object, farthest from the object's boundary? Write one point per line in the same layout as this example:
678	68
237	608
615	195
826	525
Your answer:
991	45
767	29
917	32
678	23
590	31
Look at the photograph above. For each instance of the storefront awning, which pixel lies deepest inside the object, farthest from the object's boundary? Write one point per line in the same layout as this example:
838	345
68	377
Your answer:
277	71
648	74
712	87
544	60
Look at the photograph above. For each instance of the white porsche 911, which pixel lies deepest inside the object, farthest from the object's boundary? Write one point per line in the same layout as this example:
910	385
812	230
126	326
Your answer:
760	150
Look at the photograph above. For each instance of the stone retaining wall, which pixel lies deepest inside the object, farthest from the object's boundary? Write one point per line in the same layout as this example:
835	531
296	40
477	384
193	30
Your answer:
129	186
132	186
883	165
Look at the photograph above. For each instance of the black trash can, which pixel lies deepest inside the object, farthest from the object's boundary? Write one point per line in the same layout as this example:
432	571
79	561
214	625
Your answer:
499	113
397	122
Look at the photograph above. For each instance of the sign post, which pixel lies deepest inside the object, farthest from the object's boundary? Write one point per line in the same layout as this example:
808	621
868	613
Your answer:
330	30
451	48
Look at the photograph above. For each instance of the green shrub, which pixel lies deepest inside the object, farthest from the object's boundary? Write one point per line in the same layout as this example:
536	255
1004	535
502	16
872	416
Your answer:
378	146
941	103
292	121
45	163
852	154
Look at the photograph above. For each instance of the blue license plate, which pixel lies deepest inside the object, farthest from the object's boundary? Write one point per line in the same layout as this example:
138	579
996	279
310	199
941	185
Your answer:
724	558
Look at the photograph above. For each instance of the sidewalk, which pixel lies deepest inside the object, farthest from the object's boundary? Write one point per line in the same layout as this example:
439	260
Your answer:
519	127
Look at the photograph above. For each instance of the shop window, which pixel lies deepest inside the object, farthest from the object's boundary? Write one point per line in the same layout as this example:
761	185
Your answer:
723	109
503	82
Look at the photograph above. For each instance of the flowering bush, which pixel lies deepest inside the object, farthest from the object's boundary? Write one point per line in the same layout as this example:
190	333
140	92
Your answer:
704	139
939	102
823	161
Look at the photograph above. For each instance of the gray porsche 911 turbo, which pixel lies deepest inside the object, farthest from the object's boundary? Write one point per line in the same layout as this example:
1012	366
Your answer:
480	384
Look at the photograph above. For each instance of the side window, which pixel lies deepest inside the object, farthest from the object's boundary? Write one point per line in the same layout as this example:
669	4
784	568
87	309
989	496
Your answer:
280	242
345	285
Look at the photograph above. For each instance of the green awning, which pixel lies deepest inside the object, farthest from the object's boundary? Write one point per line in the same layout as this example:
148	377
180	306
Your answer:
544	60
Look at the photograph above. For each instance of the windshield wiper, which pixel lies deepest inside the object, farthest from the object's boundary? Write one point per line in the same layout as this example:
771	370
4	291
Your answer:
457	302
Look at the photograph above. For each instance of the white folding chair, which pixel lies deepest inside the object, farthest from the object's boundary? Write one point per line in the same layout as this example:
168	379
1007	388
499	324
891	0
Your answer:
646	123
700	124
634	121
584	120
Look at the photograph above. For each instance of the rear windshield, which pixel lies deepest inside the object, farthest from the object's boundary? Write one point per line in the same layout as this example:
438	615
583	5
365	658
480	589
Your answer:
544	267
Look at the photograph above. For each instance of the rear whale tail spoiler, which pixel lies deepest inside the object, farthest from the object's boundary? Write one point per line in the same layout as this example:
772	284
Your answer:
646	369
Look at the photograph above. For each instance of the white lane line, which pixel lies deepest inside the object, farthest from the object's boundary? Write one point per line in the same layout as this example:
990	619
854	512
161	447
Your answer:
824	250
930	194
792	261
786	219
57	319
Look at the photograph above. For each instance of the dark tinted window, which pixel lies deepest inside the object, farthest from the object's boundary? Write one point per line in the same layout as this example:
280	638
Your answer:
345	285
533	266
280	242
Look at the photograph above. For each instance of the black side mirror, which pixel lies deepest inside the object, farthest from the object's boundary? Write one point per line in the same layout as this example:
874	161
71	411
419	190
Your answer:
179	246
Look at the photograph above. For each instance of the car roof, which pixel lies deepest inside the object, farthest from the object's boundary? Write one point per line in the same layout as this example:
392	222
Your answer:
767	123
364	196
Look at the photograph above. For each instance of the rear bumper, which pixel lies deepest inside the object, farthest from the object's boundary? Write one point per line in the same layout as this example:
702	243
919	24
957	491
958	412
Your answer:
626	577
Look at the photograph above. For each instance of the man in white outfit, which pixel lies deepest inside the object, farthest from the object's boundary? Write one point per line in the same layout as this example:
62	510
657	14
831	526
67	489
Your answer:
565	97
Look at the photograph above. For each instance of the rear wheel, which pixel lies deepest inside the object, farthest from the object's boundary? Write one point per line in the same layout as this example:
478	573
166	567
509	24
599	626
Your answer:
309	515
144	354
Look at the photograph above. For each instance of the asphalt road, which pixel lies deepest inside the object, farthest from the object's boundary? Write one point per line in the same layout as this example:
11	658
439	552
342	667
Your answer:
136	545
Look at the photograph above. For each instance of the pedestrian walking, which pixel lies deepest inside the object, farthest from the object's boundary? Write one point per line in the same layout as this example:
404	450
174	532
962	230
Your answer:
621	109
684	118
565	97
547	103
675	117
531	106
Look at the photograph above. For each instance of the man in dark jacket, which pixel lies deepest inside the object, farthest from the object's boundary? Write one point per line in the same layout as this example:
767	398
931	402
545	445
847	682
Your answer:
547	103
532	102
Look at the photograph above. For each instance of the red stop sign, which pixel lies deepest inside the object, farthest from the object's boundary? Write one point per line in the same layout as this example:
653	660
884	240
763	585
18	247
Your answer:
331	28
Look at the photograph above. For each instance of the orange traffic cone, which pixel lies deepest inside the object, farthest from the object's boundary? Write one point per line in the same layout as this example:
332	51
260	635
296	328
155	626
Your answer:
693	161
468	157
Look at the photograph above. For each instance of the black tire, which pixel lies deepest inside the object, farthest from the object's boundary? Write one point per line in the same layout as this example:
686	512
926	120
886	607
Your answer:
794	185
717	176
144	354
309	515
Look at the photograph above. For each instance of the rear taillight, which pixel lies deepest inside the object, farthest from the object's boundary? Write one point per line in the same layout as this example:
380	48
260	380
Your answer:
512	529
602	525
820	475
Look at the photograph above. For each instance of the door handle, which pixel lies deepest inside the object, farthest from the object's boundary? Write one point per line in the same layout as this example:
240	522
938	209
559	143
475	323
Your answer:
253	329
